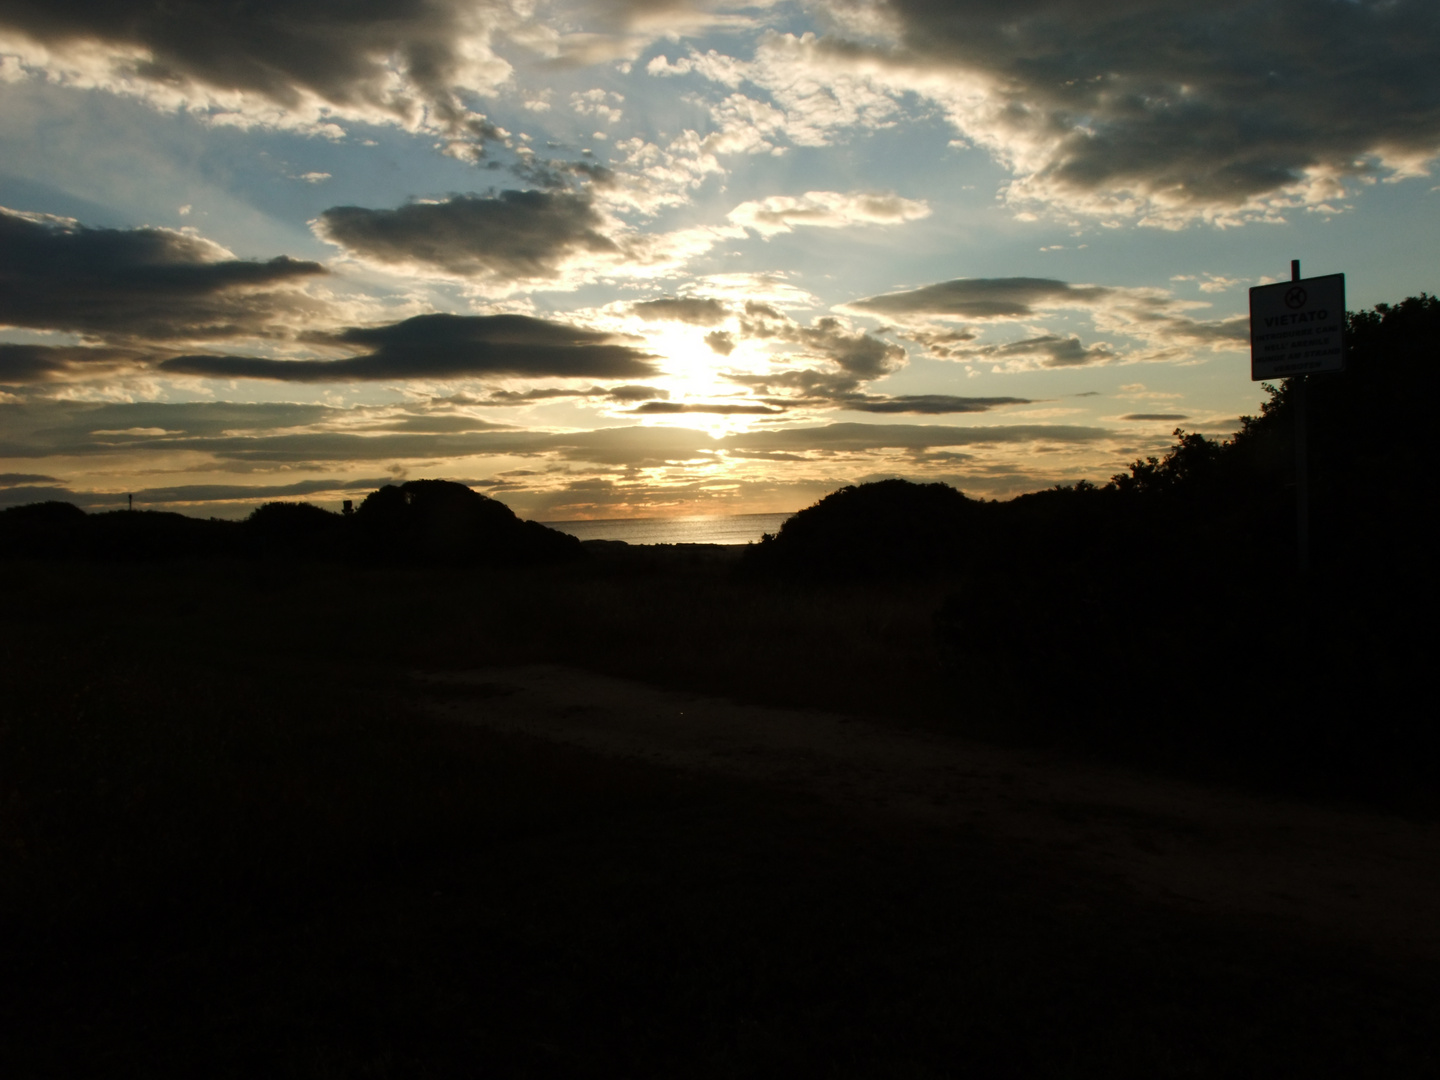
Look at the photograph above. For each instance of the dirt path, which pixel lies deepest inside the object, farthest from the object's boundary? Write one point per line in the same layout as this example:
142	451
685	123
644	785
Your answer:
1361	877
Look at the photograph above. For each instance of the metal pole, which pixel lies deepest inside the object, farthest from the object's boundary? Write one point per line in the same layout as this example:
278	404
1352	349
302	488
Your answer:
1302	478
1302	465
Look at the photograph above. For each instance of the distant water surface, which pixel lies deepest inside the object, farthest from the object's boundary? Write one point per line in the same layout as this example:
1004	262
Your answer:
734	529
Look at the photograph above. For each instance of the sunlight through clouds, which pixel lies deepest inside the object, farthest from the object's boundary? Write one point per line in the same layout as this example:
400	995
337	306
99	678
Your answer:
655	254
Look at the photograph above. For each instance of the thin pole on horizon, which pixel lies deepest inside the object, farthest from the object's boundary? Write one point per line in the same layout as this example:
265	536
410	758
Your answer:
1302	466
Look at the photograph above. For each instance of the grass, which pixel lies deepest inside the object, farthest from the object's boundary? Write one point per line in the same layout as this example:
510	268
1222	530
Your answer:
230	848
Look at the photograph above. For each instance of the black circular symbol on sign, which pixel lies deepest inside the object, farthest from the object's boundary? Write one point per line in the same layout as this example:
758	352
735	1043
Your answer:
1295	298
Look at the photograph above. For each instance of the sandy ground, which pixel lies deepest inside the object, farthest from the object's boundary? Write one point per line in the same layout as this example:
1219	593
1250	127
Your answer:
1359	877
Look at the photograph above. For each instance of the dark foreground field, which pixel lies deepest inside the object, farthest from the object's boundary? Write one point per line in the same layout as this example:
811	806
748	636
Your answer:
234	844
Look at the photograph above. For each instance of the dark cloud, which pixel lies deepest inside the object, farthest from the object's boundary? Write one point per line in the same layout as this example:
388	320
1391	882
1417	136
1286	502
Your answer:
444	347
859	355
47	363
46	428
941	344
512	236
804	386
623	394
1155	416
856	357
336	447
866	437
148	283
666	408
193	493
1178	330
931	404
697	312
14	479
438	423
1047	350
635	447
523	397
243	438
980	298
1160	322
1181	108
636	393
187	493
628	446
721	342
408	61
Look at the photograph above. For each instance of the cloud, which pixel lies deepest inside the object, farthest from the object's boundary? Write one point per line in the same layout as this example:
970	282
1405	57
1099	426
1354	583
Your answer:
827	86
855	438
150	283
444	347
941	344
618	394
851	358
596	103
693	310
858	354
982	298
636	393
1162	326
195	493
670	408
712	65
1155	416
186	494
926	404
1045	351
827	209
306	67
23	496
66	427
1140	109
228	455
600	32
47	363
512	240
513	236
8	480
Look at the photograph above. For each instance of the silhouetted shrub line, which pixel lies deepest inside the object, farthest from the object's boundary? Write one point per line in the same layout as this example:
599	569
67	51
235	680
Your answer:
1157	616
424	522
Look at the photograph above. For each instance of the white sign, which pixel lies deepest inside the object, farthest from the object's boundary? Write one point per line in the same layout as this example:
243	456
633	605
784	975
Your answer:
1297	327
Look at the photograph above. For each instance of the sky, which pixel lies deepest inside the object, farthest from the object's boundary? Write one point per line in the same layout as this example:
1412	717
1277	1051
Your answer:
674	257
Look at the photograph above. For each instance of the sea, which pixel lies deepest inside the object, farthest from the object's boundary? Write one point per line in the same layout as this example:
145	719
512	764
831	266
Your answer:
730	529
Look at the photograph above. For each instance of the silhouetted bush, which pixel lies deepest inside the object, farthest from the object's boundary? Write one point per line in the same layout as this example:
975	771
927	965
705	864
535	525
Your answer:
57	530
41	530
289	529
155	535
422	521
883	528
439	521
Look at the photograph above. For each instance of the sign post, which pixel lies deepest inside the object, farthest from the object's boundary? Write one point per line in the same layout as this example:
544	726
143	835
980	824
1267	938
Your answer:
1297	328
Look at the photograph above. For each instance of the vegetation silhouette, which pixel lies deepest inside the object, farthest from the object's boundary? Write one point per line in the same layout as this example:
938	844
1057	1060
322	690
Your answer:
420	522
1160	614
439	521
876	529
1156	616
230	844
